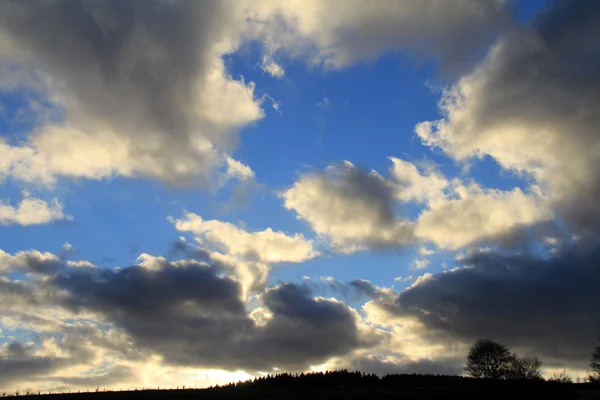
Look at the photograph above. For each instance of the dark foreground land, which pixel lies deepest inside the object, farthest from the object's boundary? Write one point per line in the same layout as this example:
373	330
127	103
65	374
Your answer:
354	385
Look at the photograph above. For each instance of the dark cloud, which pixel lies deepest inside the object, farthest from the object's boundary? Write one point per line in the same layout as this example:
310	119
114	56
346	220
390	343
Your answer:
18	361
304	331
152	293
381	367
363	286
119	374
542	306
192	313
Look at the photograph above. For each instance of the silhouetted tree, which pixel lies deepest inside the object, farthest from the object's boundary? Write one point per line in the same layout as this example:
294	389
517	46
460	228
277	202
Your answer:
488	359
595	364
526	368
560	377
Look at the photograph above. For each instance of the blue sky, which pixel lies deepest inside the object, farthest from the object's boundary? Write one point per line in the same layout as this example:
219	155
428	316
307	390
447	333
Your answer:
234	138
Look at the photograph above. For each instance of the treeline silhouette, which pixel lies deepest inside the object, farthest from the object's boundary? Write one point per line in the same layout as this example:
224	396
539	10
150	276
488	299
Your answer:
343	378
355	385
350	379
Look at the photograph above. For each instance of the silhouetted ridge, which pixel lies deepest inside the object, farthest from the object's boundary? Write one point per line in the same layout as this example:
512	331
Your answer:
344	378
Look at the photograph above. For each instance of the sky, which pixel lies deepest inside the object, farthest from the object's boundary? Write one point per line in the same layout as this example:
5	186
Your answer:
195	192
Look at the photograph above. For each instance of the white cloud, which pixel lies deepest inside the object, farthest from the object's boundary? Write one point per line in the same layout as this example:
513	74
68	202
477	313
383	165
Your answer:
424	251
324	103
352	32
526	108
419	263
267	246
168	109
159	103
471	213
238	170
353	209
412	185
31	211
272	68
28	261
81	264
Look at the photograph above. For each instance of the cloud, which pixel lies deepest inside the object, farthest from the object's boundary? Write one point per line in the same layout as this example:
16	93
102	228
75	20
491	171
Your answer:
213	330
532	105
31	261
31	211
18	361
419	263
352	208
383	365
141	85
140	88
119	374
266	246
324	103
470	213
541	306
272	68
188	312
414	185
458	213
357	210
450	31
238	170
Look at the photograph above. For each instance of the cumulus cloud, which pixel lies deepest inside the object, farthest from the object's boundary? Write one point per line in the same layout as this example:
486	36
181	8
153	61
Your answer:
358	210
142	87
238	170
187	312
340	32
29	261
542	306
267	246
31	211
532	105
354	209
419	263
470	213
414	184
18	360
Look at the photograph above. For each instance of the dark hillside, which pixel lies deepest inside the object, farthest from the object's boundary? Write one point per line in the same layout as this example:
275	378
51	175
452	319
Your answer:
357	385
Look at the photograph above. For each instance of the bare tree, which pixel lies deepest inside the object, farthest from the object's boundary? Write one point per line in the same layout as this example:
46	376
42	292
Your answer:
526	368
561	377
488	359
595	364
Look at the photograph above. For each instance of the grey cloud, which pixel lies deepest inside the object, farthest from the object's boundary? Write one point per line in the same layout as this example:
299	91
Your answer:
17	361
342	32
192	313
136	68
533	105
141	292
381	367
353	207
119	374
366	287
304	331
541	306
